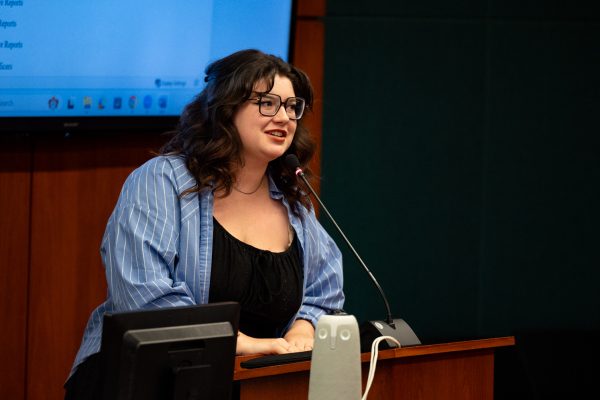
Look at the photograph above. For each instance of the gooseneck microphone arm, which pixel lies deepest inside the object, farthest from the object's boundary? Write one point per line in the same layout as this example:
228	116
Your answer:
293	163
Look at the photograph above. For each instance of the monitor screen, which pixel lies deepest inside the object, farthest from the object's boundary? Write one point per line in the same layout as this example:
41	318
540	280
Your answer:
170	353
109	62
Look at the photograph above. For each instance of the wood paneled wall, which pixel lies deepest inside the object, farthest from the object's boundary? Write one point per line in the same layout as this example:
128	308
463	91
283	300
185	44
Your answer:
75	186
15	195
309	54
56	195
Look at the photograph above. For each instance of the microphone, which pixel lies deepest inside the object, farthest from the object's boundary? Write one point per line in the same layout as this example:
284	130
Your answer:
370	330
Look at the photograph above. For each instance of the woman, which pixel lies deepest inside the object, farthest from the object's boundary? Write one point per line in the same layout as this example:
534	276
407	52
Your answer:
219	217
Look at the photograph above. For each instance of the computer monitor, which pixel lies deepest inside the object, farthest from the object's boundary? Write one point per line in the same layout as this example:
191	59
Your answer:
170	353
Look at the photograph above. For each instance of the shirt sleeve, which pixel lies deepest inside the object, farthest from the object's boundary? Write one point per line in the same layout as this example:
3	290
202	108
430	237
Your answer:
140	244
324	283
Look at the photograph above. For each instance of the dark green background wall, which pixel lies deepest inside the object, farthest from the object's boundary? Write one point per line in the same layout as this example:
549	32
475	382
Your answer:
461	155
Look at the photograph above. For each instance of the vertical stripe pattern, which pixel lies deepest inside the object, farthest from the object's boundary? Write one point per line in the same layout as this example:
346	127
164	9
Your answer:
157	249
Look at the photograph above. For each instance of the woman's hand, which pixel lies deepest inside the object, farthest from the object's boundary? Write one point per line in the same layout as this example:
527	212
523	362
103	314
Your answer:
301	335
247	345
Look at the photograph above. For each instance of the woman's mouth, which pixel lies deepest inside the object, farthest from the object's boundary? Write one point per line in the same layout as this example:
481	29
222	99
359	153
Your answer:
279	134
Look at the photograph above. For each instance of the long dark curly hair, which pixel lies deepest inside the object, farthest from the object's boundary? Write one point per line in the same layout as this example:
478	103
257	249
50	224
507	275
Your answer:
208	140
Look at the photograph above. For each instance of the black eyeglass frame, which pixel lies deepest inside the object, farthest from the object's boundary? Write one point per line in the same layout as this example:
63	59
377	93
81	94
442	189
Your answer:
281	103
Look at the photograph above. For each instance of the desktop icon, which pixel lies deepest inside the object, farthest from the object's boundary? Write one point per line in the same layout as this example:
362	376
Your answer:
132	102
102	103
87	102
162	102
117	103
53	103
71	103
147	101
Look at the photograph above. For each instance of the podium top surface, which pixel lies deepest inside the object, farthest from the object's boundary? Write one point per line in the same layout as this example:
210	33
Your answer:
405	352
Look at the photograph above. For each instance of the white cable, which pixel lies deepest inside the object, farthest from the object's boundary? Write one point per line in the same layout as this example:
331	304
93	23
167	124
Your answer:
373	364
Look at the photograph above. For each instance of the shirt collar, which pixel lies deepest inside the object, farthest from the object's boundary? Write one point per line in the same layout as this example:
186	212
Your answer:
273	189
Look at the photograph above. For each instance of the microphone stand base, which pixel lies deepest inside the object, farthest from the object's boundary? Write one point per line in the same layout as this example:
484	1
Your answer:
371	330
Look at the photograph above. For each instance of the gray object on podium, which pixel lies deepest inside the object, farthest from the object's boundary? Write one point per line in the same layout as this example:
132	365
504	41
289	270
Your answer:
335	371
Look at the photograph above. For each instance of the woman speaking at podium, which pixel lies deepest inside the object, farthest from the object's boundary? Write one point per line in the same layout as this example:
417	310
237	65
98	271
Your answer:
218	217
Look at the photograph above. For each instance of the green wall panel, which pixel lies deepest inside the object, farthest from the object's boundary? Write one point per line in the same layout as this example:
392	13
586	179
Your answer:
402	165
461	156
542	171
403	8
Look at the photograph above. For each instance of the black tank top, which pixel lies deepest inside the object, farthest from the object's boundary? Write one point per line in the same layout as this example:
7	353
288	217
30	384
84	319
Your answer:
267	285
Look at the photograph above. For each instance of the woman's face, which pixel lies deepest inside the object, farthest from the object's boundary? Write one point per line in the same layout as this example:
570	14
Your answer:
265	138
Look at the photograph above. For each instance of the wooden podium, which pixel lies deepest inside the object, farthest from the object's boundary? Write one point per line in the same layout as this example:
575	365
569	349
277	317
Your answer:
459	370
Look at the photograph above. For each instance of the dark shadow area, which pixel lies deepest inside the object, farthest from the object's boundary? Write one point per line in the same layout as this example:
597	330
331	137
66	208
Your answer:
549	365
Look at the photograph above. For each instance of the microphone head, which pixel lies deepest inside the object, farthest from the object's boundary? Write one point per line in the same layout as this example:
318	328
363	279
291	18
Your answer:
292	162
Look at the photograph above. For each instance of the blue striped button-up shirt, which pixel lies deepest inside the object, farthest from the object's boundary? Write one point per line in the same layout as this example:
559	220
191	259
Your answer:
157	249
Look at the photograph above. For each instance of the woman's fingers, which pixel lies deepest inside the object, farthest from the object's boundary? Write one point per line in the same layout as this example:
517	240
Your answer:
249	345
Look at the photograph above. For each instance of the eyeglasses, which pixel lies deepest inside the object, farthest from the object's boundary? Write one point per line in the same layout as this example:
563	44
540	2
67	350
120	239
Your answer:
269	105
